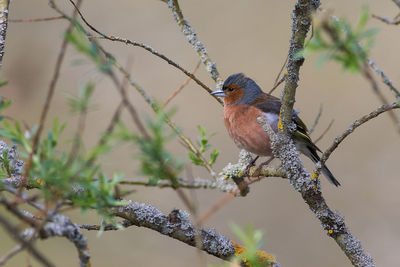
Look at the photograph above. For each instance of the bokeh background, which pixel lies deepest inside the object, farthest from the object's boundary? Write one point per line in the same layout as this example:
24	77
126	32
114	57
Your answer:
241	36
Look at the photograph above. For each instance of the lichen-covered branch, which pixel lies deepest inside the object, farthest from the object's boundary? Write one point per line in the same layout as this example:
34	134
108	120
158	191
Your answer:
194	41
231	172
331	221
385	79
176	225
4	4
302	20
283	147
61	226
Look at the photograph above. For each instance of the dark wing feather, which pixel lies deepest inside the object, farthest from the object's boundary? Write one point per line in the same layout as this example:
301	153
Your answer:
271	104
267	103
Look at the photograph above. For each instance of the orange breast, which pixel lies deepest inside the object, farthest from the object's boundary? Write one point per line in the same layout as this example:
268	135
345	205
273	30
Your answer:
246	132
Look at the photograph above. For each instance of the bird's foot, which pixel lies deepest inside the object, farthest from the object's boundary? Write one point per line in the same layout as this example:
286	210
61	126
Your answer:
258	170
251	164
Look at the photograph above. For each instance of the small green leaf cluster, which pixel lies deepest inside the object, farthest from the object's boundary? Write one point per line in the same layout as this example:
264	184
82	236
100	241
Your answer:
77	37
252	241
80	104
336	39
203	145
59	176
155	161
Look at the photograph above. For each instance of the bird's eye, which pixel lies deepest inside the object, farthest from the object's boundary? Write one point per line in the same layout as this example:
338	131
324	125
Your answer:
230	89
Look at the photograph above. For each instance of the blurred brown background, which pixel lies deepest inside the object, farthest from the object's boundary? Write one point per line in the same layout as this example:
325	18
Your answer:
241	36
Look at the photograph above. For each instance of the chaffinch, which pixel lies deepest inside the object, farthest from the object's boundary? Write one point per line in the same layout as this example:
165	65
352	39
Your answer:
244	102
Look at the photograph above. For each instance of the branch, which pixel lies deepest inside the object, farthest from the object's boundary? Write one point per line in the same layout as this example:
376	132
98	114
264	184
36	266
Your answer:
144	46
37	20
147	97
49	97
283	147
61	226
385	79
350	130
4	4
18	248
301	24
14	232
177	226
192	38
395	21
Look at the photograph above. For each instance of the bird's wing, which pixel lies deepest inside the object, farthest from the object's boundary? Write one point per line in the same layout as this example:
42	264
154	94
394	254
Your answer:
271	104
267	103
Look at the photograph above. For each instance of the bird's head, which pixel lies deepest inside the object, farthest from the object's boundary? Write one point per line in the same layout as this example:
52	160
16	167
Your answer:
238	89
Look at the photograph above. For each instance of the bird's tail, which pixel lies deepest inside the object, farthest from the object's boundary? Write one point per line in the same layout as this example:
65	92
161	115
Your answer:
312	154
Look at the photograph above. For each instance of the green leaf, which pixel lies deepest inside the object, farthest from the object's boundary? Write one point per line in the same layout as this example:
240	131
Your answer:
213	157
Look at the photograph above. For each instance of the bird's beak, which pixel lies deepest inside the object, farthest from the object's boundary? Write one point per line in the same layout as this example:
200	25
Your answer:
219	93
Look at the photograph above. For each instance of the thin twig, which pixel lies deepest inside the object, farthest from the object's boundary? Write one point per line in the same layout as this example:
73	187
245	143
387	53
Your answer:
186	82
324	132
14	232
367	74
255	175
395	21
18	248
280	72
146	47
316	119
385	79
352	127
214	208
37	20
277	83
364	69
49	97
110	128
170	123
152	103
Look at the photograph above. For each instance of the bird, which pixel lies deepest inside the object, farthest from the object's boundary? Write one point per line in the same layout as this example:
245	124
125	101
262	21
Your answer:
244	101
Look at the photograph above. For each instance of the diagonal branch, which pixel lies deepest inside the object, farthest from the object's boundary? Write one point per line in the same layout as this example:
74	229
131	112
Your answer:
350	130
176	225
385	79
14	232
192	38
144	46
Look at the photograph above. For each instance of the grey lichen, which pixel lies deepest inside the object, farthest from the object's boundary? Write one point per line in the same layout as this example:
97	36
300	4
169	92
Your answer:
61	226
197	45
16	165
176	225
284	148
3	27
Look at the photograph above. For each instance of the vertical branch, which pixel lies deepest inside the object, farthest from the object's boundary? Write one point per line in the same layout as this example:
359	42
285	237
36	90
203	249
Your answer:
283	147
301	24
4	4
49	97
